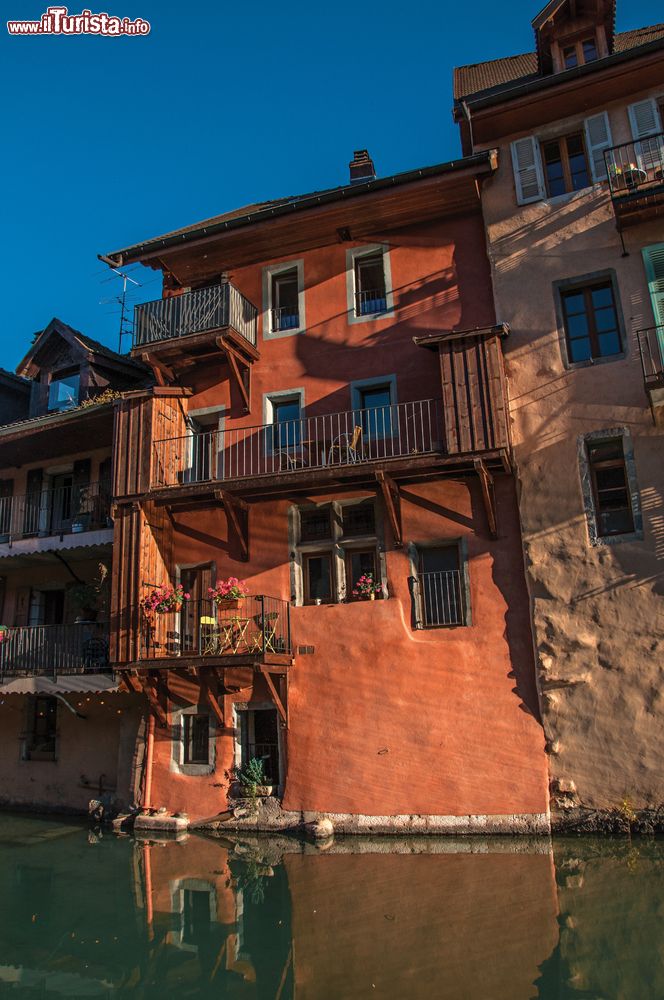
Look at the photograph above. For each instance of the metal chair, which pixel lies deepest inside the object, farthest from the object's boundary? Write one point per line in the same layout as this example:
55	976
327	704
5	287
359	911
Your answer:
264	639
349	447
209	635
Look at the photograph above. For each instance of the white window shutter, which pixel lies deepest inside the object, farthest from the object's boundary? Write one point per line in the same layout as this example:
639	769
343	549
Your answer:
527	170
598	139
654	260
644	118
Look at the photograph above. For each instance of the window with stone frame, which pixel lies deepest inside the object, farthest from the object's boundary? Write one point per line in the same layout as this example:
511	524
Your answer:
41	735
611	493
335	544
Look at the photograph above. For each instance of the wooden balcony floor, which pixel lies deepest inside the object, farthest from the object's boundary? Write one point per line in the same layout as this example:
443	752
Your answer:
272	662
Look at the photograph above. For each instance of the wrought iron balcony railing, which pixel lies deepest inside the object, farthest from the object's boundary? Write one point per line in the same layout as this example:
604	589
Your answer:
370	302
250	626
62	511
441	598
49	650
636	167
651	348
213	308
353	437
285	318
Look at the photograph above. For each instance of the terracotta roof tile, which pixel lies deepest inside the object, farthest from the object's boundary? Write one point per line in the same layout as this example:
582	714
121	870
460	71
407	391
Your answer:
478	77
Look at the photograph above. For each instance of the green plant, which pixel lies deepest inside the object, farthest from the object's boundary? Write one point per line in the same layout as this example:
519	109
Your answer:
252	774
84	595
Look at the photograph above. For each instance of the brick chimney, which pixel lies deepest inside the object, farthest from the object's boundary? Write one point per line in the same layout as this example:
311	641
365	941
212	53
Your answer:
361	167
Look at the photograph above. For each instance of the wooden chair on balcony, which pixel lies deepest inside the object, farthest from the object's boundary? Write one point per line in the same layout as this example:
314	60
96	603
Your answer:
210	636
348	447
265	637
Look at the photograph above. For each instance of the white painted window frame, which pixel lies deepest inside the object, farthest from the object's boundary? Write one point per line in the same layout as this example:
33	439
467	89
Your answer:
280	396
177	764
352	254
269	273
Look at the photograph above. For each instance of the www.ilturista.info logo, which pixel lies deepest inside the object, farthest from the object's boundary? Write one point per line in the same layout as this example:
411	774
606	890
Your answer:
58	21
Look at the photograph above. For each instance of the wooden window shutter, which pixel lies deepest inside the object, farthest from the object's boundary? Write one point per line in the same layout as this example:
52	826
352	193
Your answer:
21	606
653	258
527	165
644	118
82	472
598	139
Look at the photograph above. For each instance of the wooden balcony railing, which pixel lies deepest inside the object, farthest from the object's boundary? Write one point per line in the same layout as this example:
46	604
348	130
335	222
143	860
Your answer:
251	626
49	650
651	348
349	438
61	511
213	308
636	167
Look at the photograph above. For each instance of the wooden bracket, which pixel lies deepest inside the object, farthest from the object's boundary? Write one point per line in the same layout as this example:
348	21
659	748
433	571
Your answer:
132	683
237	512
242	378
275	696
210	698
154	703
488	495
392	498
162	373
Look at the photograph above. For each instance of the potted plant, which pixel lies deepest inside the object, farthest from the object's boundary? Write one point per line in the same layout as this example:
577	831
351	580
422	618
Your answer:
162	600
367	588
84	598
252	778
227	593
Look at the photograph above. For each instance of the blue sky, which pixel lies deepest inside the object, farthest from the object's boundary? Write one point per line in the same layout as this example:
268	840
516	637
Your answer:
107	141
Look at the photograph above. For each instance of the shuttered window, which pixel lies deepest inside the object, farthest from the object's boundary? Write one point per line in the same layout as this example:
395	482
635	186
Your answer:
653	258
527	170
598	139
644	118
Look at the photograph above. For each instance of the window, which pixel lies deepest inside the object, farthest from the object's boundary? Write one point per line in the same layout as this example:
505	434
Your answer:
579	53
259	738
318	582
42	722
286	420
370	288
590	318
440	586
570	57
196	917
610	488
315	524
360	563
359	519
196	737
63	392
565	165
285	301
589	47
376	416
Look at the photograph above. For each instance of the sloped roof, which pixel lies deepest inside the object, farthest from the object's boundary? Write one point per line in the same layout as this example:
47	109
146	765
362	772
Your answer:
503	73
73	336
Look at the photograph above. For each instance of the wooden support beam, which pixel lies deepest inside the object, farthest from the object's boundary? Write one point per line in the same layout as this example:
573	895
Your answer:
488	495
153	701
237	512
162	373
392	499
132	683
206	690
275	696
242	378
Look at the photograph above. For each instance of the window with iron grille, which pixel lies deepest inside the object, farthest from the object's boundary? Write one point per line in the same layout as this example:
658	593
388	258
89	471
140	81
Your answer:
611	493
196	739
359	519
40	741
441	586
370	286
285	301
315	524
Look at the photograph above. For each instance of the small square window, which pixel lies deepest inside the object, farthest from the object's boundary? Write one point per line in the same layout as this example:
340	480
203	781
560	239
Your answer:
315	524
196	739
285	313
611	495
359	519
370	286
63	392
591	322
318	580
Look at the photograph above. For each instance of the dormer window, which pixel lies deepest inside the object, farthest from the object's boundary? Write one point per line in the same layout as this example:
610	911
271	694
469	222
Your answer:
579	53
63	392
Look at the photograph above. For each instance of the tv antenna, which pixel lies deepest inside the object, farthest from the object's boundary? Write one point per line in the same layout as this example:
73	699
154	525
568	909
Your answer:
121	300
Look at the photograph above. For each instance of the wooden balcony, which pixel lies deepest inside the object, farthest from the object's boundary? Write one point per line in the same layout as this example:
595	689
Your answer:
636	180
52	650
184	329
62	511
651	348
253	631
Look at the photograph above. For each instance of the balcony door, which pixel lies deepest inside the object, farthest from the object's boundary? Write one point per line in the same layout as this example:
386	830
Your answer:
62	488
196	580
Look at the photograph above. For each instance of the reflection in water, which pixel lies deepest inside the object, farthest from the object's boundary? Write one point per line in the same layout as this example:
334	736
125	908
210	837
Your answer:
478	919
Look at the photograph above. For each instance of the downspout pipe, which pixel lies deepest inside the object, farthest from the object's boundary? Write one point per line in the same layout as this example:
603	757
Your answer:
149	758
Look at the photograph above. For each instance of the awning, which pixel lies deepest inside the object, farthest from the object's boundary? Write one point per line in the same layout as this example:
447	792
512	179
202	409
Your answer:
83	683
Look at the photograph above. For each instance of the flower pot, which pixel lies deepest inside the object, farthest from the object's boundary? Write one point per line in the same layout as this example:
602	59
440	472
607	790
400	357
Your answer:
372	597
228	603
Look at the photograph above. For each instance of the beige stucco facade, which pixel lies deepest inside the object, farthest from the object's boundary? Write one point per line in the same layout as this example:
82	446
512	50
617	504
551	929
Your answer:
598	607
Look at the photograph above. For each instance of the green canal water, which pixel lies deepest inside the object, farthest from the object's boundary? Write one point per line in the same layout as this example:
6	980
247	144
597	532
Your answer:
83	915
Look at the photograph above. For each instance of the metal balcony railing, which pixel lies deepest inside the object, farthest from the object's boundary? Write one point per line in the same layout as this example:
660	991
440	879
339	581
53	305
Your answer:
441	598
49	650
636	167
211	308
253	625
371	302
61	511
285	318
348	438
651	348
